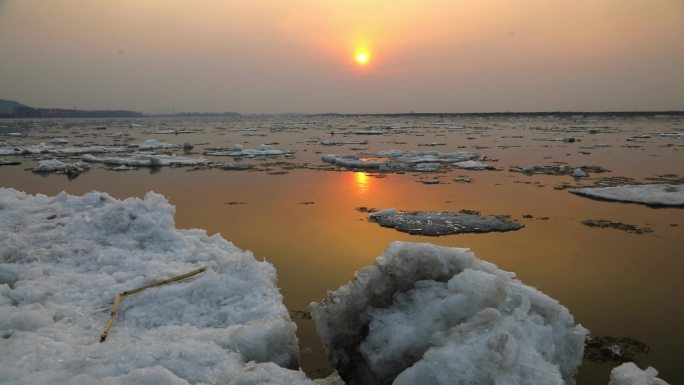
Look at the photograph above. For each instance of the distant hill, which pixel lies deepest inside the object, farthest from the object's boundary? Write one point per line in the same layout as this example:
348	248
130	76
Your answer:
13	109
8	106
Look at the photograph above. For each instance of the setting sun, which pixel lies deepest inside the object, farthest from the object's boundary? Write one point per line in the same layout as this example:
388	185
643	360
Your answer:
362	57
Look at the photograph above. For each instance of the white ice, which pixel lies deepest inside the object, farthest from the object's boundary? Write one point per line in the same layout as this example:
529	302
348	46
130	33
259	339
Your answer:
52	165
63	259
43	148
398	159
241	152
426	314
143	159
474	165
152	144
630	374
650	194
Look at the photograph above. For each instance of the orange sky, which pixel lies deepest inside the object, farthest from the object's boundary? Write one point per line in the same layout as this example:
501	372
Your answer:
298	56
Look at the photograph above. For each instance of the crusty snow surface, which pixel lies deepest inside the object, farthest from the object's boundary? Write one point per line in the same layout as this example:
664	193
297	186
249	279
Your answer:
630	374
426	314
649	194
64	258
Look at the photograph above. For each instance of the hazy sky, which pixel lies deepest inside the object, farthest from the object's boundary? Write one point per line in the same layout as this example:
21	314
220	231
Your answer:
298	55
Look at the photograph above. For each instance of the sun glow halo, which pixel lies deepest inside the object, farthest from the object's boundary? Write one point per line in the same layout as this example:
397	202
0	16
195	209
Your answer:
362	57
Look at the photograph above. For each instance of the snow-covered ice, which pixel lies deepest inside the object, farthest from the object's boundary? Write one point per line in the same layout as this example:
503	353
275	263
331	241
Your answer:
43	148
426	314
63	259
143	159
397	160
649	194
474	165
153	144
630	374
239	151
54	165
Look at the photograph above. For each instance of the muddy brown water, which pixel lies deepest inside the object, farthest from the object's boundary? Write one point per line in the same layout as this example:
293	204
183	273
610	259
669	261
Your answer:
614	283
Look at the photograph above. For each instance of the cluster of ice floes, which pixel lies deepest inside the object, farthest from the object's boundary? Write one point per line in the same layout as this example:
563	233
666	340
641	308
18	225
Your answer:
425	314
238	151
144	159
54	165
649	194
64	258
442	222
630	374
43	148
397	160
559	169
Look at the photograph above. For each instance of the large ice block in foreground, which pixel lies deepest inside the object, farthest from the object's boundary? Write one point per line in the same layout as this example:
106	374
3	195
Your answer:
64	258
425	314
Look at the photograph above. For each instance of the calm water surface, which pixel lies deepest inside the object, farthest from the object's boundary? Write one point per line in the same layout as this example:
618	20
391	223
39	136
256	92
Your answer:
614	283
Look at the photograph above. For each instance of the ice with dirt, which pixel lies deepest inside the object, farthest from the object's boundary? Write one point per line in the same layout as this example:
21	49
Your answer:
435	315
649	194
55	165
630	374
63	259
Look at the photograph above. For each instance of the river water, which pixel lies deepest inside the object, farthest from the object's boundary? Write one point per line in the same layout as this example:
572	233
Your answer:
299	213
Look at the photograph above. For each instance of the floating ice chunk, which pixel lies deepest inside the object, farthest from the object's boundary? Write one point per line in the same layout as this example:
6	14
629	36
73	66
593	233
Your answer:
239	151
428	167
342	142
474	165
175	132
649	194
143	159
152	144
441	222
397	160
59	141
677	135
630	374
54	165
426	314
64	258
579	173
43	148
369	132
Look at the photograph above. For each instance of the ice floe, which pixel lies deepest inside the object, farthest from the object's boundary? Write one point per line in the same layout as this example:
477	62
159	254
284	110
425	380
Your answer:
54	165
43	148
474	165
649	194
397	160
559	169
342	142
152	144
442	222
426	314
64	258
630	374
238	151
143	159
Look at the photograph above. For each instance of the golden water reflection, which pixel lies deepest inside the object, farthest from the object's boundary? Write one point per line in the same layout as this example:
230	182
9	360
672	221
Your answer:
362	182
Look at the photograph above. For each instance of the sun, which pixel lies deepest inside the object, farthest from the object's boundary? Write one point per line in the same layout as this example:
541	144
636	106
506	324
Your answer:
362	57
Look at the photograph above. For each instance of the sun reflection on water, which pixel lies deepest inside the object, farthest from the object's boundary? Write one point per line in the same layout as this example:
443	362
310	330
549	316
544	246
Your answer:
362	182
